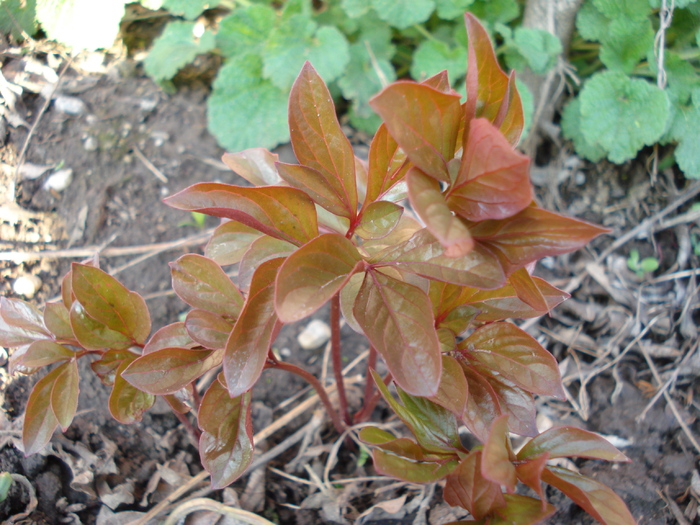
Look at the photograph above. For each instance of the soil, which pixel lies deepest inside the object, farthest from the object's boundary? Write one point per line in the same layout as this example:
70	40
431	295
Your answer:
131	144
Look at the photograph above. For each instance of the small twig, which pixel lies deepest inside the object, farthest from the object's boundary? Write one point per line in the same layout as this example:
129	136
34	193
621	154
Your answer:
337	358
33	502
194	505
150	166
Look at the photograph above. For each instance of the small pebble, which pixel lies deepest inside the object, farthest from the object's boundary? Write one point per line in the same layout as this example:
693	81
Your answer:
285	352
59	180
27	285
70	105
314	335
580	178
91	144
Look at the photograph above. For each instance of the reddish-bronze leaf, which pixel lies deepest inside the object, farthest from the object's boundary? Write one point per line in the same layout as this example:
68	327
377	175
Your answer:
229	242
109	302
527	290
39	419
127	403
561	442
483	405
313	274
168	370
57	320
396	318
64	394
67	289
595	498
467	488
348	296
256	165
430	205
532	234
208	329
514	401
403	447
313	183
226	446
388	164
530	473
20	323
317	138
407	470
280	212
248	344
511	119
172	335
521	510
496	464
202	283
439	81
493	181
43	353
106	367
404	230
459	319
453	390
379	219
513	353
94	335
261	250
424	122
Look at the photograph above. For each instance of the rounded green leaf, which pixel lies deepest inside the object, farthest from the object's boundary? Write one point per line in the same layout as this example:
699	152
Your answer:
433	56
176	47
94	335
127	403
57	320
403	13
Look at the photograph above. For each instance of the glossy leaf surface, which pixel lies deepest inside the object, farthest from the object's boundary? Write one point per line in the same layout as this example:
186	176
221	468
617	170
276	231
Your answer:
411	471
388	164
226	445
561	442
208	329
313	274
106	366
403	447
261	250
379	219
393	316
172	335
229	242
64	394
20	323
527	290
496	462
314	184
57	320
45	352
201	283
127	403
530	473
512	120
466	487
39	419
256	165
453	390
94	335
283	213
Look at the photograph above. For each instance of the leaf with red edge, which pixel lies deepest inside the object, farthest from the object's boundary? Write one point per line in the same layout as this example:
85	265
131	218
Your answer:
39	419
168	370
560	442
522	510
466	487
67	289
423	121
280	212
226	446
530	473
532	234
248	344
459	319
313	274
388	164
595	498
202	283
504	303
453	390
527	290
127	403
348	296
435	427
256	165
313	183
404	447
172	335
229	242
109	302
487	84
395	317
94	335
510	116
379	219
317	138
483	405
424	254
106	366
45	352
429	203
496	464
404	230
64	394
494	179
261	250
19	323
512	352
514	401
411	471
57	320
208	329
439	81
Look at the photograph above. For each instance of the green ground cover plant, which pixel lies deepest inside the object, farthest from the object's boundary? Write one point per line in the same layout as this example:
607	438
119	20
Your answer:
432	287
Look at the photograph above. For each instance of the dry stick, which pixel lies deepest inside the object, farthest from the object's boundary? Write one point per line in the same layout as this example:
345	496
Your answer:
150	166
238	515
337	360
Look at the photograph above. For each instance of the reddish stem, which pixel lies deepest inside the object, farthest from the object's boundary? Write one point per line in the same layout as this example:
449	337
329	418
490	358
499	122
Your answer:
194	432
369	387
316	384
337	358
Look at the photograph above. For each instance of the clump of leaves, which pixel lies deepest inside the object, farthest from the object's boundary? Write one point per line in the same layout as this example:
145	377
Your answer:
432	293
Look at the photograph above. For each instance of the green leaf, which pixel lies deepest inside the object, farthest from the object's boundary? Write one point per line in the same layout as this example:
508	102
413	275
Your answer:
174	49
403	13
539	47
201	283
494	11
313	274
685	129
591	23
208	329
394	316
560	442
261	250
404	447
411	471
595	498
379	219
5	485
626	43
356	8
127	403
64	394
190	9
245	30
424	122
466	487
81	24
39	419
571	127
229	242
629	9
280	212
496	464
57	320
248	345
44	353
433	56
226	446
621	114
522	510
244	109
94	335
298	40
109	302
451	9
516	355
168	370
172	335
21	17
256	165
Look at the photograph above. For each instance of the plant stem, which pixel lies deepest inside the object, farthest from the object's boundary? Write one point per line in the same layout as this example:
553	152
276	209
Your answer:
369	388
322	394
337	359
194	431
